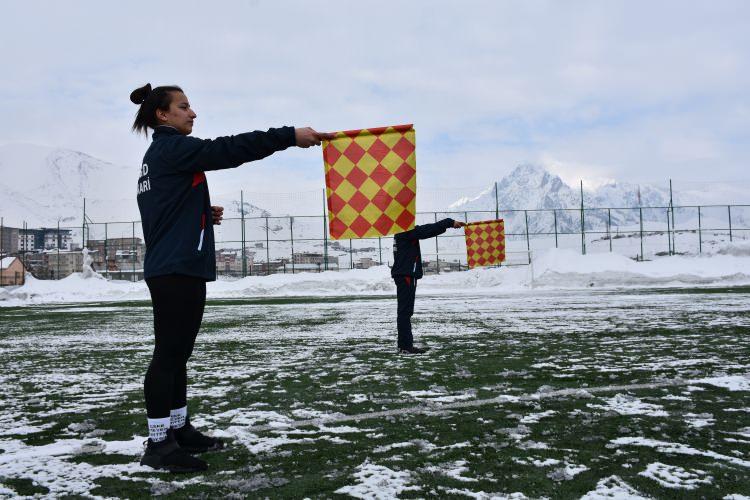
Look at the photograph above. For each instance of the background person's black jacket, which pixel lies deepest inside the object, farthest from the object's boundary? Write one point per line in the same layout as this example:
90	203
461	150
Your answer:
407	257
173	195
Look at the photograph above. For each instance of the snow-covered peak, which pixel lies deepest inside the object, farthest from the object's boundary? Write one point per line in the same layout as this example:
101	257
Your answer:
531	187
42	185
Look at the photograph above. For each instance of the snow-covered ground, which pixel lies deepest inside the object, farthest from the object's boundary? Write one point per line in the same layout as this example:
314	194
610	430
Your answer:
727	265
622	393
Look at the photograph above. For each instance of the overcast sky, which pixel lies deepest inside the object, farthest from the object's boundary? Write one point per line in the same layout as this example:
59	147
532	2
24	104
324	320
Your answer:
637	91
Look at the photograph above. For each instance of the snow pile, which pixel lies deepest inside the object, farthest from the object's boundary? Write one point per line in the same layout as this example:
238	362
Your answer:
565	268
73	288
739	249
354	282
551	270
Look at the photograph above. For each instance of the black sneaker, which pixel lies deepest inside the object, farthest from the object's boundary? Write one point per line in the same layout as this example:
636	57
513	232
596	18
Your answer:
169	455
412	350
192	440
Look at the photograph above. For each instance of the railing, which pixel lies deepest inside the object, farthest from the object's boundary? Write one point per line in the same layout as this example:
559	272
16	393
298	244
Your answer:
291	244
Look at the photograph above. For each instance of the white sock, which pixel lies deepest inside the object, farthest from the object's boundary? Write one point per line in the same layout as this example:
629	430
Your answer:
178	417
157	429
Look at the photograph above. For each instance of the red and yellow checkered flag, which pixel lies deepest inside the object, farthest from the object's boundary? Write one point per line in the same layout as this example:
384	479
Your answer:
485	243
371	181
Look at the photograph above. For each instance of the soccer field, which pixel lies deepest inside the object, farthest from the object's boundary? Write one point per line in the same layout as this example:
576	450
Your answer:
535	394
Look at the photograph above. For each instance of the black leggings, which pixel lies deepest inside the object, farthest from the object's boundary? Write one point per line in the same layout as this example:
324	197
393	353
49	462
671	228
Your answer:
406	289
178	303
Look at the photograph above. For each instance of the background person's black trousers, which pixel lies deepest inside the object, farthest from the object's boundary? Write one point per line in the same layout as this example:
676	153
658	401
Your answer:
178	303
406	288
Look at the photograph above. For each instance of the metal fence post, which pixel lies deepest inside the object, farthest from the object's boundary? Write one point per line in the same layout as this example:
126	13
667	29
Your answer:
729	212
351	255
25	258
325	233
83	226
700	239
291	234
106	259
583	226
58	249
242	232
437	249
380	252
674	227
268	251
135	251
528	245
669	238
497	203
609	227
554	212
640	218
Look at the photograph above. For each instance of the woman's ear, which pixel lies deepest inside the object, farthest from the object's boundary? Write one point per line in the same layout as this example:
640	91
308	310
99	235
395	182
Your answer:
161	116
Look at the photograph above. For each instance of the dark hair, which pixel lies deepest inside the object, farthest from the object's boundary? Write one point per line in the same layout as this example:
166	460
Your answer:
150	100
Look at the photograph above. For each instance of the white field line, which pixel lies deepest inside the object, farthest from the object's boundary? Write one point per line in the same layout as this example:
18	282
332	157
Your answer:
430	408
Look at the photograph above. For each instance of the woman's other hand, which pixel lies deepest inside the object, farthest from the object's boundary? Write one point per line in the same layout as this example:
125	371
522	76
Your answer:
306	137
218	215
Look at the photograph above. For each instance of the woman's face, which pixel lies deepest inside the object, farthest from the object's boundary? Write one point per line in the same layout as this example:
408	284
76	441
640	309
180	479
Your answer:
179	115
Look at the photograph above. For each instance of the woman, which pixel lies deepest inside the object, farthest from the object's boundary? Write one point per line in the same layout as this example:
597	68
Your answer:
178	220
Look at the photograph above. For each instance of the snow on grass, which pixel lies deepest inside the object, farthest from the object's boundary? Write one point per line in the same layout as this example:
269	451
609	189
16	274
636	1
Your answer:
534	418
625	404
454	470
699	420
613	487
481	495
679	449
567	472
486	418
733	383
375	482
49	465
675	477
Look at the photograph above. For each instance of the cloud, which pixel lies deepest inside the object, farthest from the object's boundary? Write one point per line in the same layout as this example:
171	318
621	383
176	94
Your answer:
631	90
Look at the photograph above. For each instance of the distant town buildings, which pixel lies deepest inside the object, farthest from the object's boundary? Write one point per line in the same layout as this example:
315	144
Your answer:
49	253
12	271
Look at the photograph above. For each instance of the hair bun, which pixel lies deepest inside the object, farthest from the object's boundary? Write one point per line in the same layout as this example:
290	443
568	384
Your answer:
140	94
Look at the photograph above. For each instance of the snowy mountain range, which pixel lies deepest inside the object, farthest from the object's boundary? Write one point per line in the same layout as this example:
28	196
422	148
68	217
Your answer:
531	187
43	185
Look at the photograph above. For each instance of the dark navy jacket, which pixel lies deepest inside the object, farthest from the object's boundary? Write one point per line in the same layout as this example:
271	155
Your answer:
407	257
173	195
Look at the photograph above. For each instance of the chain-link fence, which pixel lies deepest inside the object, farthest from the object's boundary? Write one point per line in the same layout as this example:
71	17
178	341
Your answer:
262	245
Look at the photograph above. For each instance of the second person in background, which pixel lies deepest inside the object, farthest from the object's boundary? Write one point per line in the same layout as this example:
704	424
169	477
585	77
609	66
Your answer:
406	270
